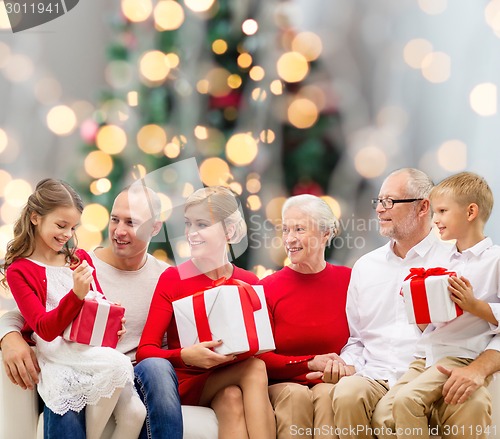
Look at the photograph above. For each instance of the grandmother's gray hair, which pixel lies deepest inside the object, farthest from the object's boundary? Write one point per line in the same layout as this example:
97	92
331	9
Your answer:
318	210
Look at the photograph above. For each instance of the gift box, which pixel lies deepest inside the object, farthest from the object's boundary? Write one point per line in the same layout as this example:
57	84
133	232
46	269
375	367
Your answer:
234	312
97	323
427	299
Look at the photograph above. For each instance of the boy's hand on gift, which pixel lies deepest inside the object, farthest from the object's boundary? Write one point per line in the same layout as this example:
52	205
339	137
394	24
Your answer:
82	277
200	355
462	293
461	384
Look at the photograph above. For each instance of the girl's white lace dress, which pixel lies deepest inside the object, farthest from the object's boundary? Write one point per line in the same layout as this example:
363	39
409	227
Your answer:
73	374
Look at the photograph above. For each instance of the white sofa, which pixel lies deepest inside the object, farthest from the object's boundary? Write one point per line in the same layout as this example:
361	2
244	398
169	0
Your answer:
19	417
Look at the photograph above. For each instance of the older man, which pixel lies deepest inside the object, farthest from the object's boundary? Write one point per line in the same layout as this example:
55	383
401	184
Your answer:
382	343
128	275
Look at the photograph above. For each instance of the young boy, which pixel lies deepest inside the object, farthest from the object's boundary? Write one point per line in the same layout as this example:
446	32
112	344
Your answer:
462	205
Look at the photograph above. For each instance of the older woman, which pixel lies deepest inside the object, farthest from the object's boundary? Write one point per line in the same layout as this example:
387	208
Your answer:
237	391
306	303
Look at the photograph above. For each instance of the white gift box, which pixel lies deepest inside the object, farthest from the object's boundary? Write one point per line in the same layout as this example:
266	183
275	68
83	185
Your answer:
230	319
427	299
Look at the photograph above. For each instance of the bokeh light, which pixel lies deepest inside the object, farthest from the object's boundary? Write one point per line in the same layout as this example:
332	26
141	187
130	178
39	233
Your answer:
48	90
370	162
98	164
267	136
137	10
292	67
254	203
95	217
415	51
5	177
61	120
199	5
218	82
169	15
152	139
20	68
214	171
154	65
88	239
334	205
257	73
452	156
4	140
250	27
483	99
302	113
273	210
433	7
17	191
111	139
308	44
436	67
241	149
219	46
253	185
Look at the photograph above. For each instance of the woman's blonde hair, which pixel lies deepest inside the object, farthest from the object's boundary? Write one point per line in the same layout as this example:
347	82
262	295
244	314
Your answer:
318	210
49	195
223	207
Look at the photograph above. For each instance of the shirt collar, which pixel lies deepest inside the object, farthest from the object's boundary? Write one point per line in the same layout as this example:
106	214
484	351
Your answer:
420	249
475	250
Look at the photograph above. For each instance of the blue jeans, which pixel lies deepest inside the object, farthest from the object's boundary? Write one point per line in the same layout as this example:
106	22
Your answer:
156	383
70	425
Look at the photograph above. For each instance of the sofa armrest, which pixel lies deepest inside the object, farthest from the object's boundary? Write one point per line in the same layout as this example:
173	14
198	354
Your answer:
19	414
199	422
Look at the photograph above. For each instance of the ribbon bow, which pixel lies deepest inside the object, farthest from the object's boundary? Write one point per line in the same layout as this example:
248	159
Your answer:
250	303
423	273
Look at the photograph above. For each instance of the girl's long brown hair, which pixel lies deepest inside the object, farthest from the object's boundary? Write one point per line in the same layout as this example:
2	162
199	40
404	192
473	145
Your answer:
49	195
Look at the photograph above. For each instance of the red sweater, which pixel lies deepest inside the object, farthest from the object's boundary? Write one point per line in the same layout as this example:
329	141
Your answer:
28	284
161	319
308	317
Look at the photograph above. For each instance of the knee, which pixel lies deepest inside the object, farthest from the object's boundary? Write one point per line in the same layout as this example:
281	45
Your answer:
349	392
406	401
255	372
322	392
229	402
134	415
156	371
296	394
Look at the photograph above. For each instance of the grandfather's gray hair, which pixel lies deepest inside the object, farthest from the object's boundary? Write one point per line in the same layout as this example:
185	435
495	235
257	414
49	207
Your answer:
419	183
318	209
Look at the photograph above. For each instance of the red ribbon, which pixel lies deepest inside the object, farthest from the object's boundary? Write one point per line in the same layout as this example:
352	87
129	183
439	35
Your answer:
250	303
418	292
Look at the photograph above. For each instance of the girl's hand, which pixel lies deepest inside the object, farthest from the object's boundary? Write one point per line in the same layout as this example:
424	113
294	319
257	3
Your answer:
462	293
82	277
333	372
122	331
200	355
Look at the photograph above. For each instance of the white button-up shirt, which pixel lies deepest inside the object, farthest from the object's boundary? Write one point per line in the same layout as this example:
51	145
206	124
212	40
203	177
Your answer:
467	335
382	342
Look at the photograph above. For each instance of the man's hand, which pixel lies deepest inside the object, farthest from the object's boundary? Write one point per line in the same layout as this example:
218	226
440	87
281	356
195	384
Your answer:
461	384
334	370
19	361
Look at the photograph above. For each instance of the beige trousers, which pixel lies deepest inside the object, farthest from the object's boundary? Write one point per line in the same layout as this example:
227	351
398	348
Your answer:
302	412
404	412
354	400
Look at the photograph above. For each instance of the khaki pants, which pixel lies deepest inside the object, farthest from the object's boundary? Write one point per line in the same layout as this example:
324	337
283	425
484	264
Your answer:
354	400
404	412
302	412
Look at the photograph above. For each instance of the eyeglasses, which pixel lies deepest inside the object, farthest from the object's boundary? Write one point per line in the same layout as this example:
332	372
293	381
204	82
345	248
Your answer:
388	203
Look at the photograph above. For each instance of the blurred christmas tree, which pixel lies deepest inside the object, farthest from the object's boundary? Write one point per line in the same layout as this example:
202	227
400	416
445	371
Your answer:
228	82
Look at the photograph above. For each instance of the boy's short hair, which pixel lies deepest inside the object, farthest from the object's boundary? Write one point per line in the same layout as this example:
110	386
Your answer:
467	188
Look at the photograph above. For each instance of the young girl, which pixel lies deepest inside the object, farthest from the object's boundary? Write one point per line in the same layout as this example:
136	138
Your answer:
237	391
49	281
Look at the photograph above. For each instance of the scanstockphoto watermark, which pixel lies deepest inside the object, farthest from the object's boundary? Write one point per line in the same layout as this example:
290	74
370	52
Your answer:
263	234
356	430
27	14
